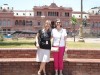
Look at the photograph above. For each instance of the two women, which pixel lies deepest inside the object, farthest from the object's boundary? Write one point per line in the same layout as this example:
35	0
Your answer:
58	35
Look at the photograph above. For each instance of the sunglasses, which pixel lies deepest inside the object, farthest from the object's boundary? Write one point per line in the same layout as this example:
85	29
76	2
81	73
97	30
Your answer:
58	22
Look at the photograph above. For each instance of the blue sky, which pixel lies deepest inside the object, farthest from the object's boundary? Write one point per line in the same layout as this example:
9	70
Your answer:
28	4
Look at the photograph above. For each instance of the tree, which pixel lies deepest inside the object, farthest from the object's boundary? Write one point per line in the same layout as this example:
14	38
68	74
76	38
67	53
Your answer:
1	36
74	22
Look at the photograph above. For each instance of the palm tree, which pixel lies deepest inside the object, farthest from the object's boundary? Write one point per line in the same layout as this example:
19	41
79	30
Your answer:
74	22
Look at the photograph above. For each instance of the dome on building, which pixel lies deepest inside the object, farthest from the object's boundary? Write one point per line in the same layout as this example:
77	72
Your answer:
53	5
5	7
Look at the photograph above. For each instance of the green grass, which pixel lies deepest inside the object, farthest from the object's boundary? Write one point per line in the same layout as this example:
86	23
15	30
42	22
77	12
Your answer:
82	45
29	43
21	43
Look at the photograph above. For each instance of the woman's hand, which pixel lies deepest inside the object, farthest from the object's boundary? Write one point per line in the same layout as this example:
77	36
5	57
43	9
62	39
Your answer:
37	45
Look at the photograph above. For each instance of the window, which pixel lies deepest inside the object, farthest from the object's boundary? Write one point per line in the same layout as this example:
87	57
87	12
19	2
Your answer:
4	22
66	14
93	11
39	23
23	22
86	17
49	13
4	30
30	14
0	22
9	31
98	11
66	24
29	23
0	7
16	13
8	22
23	13
8	7
99	24
57	14
39	13
93	25
16	22
53	14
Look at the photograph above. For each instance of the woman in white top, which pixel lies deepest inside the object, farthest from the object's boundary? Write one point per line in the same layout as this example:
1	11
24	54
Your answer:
59	34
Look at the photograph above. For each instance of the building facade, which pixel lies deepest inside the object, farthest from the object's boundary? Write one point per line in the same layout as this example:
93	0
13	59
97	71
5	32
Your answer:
32	20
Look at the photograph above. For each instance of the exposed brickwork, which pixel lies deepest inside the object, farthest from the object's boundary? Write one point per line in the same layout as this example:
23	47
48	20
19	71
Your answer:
88	54
20	62
18	68
18	53
82	68
31	68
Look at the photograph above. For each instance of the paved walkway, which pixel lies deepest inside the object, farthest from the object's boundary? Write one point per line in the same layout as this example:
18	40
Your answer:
87	40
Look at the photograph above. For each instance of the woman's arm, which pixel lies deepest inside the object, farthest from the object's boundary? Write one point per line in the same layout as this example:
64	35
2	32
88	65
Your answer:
37	41
65	38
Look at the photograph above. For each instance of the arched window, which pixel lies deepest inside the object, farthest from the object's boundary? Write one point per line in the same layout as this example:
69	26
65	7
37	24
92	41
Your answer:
16	22
31	23
23	22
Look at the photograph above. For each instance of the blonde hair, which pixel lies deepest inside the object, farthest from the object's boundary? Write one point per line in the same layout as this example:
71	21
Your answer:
47	22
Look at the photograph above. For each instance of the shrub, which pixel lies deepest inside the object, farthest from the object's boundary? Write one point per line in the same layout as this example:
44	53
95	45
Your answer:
1	37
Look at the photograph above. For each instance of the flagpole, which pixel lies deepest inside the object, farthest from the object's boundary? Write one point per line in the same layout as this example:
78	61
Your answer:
81	25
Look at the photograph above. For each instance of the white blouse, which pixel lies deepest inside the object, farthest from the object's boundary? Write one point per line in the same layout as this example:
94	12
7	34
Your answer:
58	36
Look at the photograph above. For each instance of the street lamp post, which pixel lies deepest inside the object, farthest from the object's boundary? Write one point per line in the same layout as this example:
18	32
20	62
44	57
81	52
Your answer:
81	26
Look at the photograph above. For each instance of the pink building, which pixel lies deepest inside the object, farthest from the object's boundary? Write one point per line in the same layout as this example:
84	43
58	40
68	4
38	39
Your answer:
32	20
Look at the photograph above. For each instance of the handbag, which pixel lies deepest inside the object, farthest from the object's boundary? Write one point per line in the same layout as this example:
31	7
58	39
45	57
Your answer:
55	48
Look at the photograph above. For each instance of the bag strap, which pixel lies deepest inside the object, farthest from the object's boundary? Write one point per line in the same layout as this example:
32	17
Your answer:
60	36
